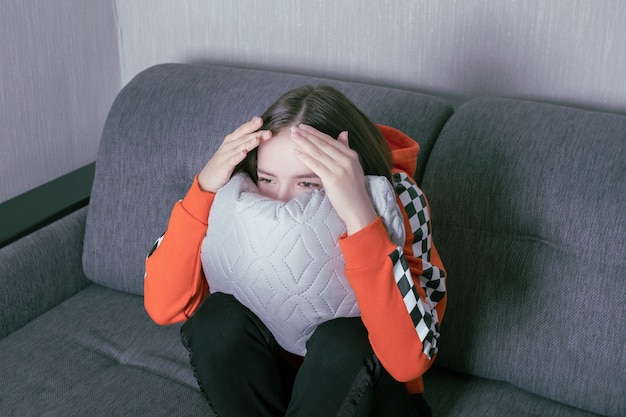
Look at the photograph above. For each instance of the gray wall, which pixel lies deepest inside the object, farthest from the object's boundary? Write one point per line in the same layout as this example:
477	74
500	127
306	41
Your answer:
62	61
571	51
59	72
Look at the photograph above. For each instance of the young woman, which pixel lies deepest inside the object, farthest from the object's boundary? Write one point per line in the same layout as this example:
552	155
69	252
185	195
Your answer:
363	366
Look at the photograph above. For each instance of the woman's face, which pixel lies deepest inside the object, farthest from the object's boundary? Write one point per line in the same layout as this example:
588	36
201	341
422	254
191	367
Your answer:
281	175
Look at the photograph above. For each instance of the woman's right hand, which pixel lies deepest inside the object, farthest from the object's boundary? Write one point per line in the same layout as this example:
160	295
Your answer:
231	152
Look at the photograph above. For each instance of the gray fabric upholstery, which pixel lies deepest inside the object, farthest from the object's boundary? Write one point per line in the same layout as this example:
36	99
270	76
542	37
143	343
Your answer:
453	394
40	270
528	204
166	124
97	354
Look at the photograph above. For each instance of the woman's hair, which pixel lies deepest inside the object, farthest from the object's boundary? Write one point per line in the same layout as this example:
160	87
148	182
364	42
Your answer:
330	112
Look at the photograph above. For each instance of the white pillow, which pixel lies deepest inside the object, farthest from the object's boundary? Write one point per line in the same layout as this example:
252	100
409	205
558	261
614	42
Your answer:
282	260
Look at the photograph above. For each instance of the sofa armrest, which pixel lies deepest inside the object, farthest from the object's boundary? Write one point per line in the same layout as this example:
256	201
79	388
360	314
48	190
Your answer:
40	270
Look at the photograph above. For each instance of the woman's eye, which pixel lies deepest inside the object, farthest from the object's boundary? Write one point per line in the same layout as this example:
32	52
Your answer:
309	185
265	180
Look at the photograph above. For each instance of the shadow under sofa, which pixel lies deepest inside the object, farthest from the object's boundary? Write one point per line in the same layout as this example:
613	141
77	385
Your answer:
527	202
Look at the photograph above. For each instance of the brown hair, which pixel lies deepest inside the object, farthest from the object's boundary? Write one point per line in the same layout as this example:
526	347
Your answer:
330	112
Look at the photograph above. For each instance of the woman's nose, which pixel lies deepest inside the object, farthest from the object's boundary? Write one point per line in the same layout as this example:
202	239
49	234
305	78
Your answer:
284	194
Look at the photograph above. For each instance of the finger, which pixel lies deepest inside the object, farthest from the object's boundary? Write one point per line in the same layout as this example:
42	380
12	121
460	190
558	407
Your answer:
236	151
328	167
325	142
314	164
310	132
251	126
343	138
235	158
333	153
311	147
246	142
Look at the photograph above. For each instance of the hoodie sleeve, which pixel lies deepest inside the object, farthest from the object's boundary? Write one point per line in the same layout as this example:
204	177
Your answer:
174	283
400	290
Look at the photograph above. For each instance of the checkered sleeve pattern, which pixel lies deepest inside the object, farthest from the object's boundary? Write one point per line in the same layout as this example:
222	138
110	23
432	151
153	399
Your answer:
422	311
154	247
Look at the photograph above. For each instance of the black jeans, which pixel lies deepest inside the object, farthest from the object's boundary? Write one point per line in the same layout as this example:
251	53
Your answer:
242	371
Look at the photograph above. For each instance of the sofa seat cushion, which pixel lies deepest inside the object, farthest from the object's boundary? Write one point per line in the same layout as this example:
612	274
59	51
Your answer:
454	394
97	354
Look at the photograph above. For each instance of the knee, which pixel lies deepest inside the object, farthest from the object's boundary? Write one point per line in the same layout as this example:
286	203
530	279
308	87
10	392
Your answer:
221	323
343	339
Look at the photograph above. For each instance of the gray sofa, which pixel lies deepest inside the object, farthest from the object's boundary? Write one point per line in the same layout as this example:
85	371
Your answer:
528	205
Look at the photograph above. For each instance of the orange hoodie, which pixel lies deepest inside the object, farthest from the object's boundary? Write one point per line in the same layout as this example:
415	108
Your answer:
400	290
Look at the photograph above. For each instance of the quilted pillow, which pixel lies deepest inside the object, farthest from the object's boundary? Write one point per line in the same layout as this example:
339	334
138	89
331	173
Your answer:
282	260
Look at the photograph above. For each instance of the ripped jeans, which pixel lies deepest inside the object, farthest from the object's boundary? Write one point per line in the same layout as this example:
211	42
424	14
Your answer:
242	371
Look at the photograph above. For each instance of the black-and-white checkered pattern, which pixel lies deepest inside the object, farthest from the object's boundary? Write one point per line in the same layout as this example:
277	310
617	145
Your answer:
156	245
422	312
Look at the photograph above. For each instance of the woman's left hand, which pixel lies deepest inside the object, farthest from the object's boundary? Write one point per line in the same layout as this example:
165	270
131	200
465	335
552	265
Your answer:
341	173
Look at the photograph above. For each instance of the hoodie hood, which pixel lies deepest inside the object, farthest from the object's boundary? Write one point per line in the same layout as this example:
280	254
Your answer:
403	149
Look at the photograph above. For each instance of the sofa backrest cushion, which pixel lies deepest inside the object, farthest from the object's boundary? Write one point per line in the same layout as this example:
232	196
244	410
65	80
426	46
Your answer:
529	215
164	126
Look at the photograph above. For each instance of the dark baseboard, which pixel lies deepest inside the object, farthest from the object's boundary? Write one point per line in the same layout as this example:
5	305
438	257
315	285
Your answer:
43	205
